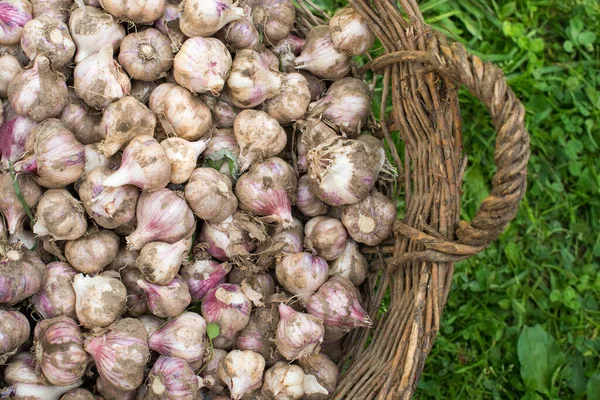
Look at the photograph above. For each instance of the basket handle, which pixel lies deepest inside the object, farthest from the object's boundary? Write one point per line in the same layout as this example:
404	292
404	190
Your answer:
511	154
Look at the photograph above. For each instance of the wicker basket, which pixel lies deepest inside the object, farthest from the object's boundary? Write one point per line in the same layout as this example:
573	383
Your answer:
422	73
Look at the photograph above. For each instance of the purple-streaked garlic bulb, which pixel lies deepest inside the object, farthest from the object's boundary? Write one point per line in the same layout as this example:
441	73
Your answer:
146	55
168	25
292	102
326	237
136	297
183	156
109	392
370	221
14	15
172	378
14	133
350	264
167	300
242	372
227	306
151	323
10	203
205	17
210	372
320	57
202	65
27	388
306	201
210	195
14	331
120	352
82	121
203	275
320	376
9	68
182	336
100	299
350	32
57	296
92	28
268	189
60	215
21	367
239	35
283	381
259	335
22	274
92	252
46	36
142	12
301	274
174	222
229	238
59	352
223	112
159	262
275	18
298	334
109	207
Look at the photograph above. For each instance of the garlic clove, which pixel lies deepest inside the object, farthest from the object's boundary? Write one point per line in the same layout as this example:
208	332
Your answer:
320	376
371	220
292	102
350	264
172	377
283	381
10	203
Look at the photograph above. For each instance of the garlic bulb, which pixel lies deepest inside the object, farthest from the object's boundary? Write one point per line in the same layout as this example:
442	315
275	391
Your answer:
125	260
109	392
46	36
14	134
182	337
39	390
15	14
59	352
124	120
99	79
284	382
94	251
168	25
229	238
110	207
259	335
286	50
274	17
350	264
227	306
205	17
22	274
290	240
209	195
82	121
325	236
120	352
210	373
370	221
259	136
146	55
350	32
239	35
78	394
258	288
57	296
172	378
320	57
205	73
10	204
251	80
22	365
9	68
183	156
317	86
136	297
291	104
57	9
100	299
151	323
38	92
298	334
320	376
14	331
306	201
203	275
60	215
242	372
301	274
143	12
160	262
223	112
144	164
91	29
174	222
166	300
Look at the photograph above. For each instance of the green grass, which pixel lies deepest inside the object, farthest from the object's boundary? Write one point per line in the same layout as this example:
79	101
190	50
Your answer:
523	318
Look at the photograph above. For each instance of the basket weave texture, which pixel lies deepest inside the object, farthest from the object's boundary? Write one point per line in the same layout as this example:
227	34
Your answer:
421	74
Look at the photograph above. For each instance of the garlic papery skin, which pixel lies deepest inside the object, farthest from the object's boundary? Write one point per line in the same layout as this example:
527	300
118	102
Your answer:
337	304
39	390
10	204
286	50
14	331
144	164
320	57
141	90
136	298
46	36
259	335
251	80
283	382
209	195
183	336
275	18
209	373
14	133
325	236
268	189
228	238
143	12
14	14
60	215
306	201
317	86
301	274
57	296
9	68
259	136
57	9
78	394
92	252
345	106
203	275
124	120
202	65
298	334
109	392
82	121
371	220
290	240
167	300
59	352
168	25
172	378
350	32
222	111
110	207
99	79
91	29
241	34
227	306
93	160
120	352
159	262
343	171
205	17
320	376
183	156
125	260
146	55
22	274
21	367
313	132
174	222
242	372
292	102
38	92
180	112
151	323
100	299
258	288
350	264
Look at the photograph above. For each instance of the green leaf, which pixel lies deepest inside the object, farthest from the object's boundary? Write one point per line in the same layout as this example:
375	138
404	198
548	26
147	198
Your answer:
212	330
576	26
586	38
537	45
540	357
593	388
568	46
